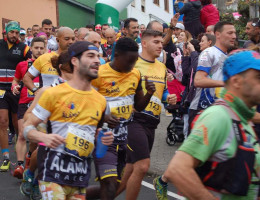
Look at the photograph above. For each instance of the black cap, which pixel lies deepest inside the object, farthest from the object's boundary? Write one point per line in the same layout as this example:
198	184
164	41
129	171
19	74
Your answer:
80	47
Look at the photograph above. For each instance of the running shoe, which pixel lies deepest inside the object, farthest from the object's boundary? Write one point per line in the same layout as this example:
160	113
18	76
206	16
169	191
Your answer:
18	172
5	165
26	185
35	193
161	190
27	161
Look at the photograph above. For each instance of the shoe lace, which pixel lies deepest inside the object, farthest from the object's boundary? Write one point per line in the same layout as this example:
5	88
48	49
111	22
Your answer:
5	162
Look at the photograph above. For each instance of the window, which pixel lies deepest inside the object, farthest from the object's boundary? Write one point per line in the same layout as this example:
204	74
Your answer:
157	2
133	3
166	5
143	5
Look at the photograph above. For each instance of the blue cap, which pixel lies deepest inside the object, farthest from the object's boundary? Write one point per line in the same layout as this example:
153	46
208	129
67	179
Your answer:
79	47
240	61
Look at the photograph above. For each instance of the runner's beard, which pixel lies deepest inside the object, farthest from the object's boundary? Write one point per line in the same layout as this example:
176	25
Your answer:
12	40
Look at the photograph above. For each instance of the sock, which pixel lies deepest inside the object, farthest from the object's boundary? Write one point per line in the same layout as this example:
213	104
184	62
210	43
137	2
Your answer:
29	154
35	182
30	173
5	153
162	182
20	163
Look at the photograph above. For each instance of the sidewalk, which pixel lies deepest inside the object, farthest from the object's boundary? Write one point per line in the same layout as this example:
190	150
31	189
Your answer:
161	153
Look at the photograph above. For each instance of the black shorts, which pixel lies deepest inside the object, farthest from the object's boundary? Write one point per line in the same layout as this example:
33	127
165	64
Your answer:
112	164
140	142
9	101
22	108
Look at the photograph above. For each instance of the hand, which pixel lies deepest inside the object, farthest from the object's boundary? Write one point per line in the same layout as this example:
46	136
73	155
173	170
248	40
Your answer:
185	50
112	120
174	20
170	77
172	99
15	89
190	47
53	140
149	86
108	139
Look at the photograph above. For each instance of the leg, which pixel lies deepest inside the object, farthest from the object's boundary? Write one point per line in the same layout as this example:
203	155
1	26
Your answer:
21	143
127	173
15	122
108	188
3	129
93	192
33	161
140	168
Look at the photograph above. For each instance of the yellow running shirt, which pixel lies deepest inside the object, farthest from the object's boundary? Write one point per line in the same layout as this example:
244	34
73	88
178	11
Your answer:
42	67
156	72
74	115
119	90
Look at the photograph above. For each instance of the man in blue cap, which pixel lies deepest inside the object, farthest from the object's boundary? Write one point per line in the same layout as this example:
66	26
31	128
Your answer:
221	157
12	51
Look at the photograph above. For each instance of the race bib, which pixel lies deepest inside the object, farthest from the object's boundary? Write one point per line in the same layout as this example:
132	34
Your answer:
154	107
2	94
79	143
30	93
121	108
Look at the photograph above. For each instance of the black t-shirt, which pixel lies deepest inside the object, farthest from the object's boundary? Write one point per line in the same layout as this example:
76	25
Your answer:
170	48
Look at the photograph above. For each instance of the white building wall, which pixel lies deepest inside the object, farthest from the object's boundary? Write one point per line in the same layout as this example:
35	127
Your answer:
152	11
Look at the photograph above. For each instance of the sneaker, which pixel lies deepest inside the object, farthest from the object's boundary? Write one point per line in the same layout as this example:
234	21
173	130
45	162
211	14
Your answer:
35	193
18	172
10	138
5	165
26	185
161	191
27	161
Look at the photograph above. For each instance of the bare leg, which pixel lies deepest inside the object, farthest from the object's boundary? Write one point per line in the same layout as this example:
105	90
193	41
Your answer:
21	143
4	121
127	173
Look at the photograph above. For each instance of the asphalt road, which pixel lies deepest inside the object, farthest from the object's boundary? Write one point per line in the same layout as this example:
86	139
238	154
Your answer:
10	186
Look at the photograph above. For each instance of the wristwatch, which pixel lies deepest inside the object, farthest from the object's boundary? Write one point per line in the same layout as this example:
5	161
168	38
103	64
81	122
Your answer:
34	89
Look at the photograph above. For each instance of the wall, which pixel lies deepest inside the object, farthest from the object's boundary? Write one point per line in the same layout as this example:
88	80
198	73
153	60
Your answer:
150	8
28	12
75	17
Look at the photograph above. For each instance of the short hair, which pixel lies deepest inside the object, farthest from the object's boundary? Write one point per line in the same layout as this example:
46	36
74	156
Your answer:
142	25
37	39
126	44
150	24
104	25
90	26
219	26
64	60
128	20
205	2
29	28
253	20
150	32
35	25
47	22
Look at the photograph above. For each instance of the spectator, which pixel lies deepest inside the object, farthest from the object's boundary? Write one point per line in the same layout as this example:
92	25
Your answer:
177	30
253	32
90	27
210	29
209	14
183	38
191	11
109	45
165	27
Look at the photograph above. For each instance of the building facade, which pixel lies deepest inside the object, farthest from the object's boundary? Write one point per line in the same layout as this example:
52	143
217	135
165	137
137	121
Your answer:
148	10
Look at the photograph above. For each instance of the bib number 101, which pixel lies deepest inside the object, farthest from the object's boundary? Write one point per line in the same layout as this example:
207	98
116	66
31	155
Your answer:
123	109
81	142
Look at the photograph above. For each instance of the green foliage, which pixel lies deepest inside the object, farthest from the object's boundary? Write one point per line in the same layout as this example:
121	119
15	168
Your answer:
240	24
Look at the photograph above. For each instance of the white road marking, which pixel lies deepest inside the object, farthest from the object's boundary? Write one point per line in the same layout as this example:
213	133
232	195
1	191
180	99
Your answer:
171	194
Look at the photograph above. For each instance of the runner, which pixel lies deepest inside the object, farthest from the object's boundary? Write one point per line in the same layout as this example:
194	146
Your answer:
109	44
104	27
64	162
29	184
120	84
47	28
141	130
11	53
42	66
37	48
132	29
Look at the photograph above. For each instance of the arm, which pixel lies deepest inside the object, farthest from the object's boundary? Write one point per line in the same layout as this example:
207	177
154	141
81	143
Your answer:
201	80
141	100
28	80
50	140
188	183
15	86
256	118
173	23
